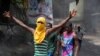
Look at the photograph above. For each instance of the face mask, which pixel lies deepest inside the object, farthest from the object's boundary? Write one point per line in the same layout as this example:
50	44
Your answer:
40	26
40	31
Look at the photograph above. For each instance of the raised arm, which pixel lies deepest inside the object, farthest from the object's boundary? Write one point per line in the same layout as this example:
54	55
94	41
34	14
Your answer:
61	24
7	14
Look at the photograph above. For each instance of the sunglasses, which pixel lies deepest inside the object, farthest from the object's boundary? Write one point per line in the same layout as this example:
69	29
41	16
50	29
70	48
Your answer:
40	22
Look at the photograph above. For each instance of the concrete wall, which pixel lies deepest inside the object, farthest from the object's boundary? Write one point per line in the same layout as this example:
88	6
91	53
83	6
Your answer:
92	15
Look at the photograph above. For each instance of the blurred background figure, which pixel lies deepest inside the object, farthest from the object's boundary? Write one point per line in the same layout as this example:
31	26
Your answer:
80	33
51	41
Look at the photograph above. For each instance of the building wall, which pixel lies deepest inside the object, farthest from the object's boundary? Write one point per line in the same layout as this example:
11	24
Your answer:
92	16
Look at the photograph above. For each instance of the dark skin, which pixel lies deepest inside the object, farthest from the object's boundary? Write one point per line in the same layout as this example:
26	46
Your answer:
48	31
69	30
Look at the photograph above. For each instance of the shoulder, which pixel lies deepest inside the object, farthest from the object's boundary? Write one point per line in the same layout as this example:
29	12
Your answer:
74	35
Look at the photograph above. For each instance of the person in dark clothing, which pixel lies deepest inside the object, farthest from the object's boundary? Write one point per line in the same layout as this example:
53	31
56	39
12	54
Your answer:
80	33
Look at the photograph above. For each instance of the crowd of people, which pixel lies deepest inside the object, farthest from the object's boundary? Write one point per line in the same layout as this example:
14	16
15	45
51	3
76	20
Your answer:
66	40
53	40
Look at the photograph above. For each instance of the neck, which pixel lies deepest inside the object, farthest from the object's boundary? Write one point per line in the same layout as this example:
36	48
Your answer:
69	32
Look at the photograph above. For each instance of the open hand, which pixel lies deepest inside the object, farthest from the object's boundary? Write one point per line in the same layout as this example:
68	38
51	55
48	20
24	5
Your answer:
7	14
73	13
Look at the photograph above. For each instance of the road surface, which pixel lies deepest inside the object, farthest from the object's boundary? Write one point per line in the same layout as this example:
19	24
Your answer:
90	46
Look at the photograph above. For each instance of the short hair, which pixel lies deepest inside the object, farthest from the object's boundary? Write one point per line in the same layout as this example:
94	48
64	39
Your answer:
50	24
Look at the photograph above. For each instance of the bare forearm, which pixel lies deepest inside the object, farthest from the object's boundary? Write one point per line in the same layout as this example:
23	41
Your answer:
61	24
72	14
8	14
18	22
64	21
22	24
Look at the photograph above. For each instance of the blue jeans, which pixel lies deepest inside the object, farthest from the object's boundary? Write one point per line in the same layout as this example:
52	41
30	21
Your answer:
50	53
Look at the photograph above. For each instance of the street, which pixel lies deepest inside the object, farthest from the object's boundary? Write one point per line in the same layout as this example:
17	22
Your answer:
90	46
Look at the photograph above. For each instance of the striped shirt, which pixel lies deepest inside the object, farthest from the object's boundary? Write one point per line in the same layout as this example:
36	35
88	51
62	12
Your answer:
41	49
